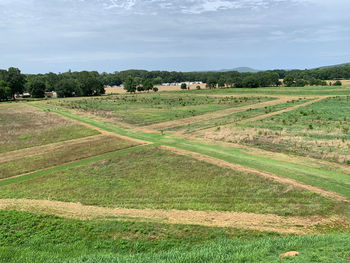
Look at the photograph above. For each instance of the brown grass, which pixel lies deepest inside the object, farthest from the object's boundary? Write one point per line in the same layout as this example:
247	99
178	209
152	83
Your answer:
38	158
266	222
120	90
23	126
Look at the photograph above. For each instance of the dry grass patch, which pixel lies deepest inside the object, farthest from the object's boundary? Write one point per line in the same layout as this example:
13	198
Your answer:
63	153
23	126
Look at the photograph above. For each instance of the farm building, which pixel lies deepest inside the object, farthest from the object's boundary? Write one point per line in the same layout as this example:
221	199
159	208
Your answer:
51	94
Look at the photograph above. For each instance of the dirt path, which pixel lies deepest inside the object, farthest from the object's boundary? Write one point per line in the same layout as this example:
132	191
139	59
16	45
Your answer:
281	179
262	222
215	114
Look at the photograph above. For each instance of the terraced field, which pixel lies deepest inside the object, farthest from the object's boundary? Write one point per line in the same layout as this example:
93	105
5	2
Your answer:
229	175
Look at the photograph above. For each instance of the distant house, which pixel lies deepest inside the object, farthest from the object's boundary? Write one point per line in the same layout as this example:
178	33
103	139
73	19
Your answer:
51	94
22	96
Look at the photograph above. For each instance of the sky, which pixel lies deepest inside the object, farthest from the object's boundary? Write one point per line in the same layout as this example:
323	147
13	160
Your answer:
40	36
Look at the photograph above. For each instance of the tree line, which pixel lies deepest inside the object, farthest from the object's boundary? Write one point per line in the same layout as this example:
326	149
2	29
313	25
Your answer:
91	83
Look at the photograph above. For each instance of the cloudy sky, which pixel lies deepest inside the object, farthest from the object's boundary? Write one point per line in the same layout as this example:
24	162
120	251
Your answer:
182	35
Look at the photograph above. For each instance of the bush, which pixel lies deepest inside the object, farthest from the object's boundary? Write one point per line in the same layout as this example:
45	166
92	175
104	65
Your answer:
337	83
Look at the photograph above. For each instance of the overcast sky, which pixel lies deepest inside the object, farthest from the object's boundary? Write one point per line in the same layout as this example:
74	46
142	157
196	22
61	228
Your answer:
181	35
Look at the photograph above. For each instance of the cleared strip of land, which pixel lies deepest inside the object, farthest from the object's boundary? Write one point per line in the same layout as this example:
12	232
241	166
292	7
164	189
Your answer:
281	179
262	222
26	176
42	149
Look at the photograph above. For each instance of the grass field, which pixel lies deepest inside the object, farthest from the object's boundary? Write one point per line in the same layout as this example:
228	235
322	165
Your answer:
23	126
118	182
146	109
320	130
63	153
280	91
244	175
232	118
27	237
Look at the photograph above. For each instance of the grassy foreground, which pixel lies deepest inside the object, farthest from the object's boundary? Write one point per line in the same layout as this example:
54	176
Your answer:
32	238
333	181
117	181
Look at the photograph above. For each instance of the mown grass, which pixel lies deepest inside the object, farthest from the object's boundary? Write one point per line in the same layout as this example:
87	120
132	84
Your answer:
327	179
78	163
65	153
22	126
159	179
238	116
28	237
146	109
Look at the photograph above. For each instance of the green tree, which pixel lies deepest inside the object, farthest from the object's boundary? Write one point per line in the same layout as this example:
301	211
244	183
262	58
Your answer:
67	88
211	82
37	88
300	83
250	82
130	85
90	84
289	81
16	80
5	91
221	82
148	84
157	81
183	86
238	82
337	83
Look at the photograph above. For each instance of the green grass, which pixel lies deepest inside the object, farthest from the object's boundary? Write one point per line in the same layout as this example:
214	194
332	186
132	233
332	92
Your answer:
32	238
146	109
323	248
329	180
238	116
199	186
28	237
320	130
65	153
288	91
69	165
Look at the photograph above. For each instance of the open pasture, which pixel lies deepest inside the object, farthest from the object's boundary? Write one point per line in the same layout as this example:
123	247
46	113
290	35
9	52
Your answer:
279	91
184	195
55	154
117	182
320	130
23	126
238	116
147	109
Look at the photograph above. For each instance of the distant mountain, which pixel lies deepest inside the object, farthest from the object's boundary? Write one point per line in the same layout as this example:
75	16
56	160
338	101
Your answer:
333	66
241	69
